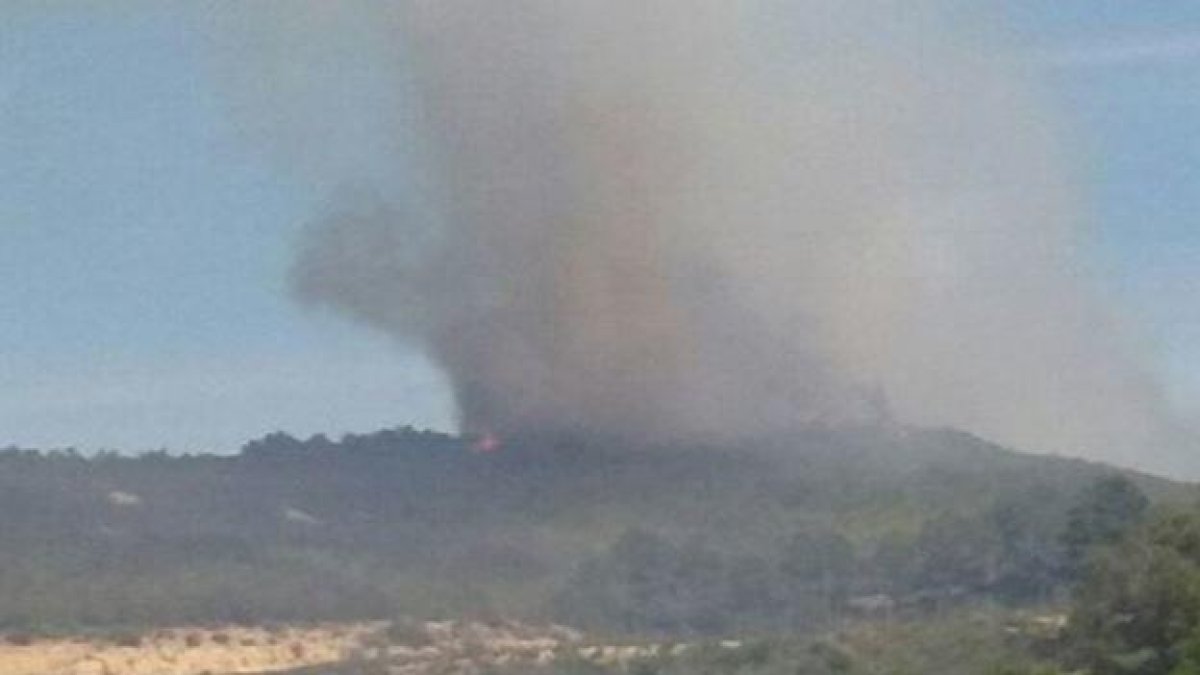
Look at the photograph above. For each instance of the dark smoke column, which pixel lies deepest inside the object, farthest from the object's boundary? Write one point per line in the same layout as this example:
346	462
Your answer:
714	219
572	282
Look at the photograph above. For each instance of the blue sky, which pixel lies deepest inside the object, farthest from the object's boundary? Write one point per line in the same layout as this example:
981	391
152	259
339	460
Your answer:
146	251
144	245
1126	78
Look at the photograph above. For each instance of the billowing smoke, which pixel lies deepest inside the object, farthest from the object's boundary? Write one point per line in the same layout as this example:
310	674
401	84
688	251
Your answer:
701	218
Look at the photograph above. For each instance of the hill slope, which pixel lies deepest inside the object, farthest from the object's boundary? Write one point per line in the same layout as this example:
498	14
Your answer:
785	532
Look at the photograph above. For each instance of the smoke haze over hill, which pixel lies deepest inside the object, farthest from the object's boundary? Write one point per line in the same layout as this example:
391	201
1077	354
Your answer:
701	218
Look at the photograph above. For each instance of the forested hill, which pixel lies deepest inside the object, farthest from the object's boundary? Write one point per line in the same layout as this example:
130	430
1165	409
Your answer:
781	533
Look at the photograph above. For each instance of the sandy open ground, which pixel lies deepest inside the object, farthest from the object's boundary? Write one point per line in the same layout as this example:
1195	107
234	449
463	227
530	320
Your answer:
189	651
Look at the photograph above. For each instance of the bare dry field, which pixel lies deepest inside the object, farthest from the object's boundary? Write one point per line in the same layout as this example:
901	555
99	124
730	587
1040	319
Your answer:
413	648
188	651
407	647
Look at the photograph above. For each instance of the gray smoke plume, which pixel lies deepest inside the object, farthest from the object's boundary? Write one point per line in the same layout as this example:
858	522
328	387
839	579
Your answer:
701	218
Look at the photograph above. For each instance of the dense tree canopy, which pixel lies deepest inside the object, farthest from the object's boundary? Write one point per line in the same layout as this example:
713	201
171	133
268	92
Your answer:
791	533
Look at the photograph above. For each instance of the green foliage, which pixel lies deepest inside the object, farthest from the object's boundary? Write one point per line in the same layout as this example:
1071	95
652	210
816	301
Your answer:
1102	514
781	534
1138	608
647	584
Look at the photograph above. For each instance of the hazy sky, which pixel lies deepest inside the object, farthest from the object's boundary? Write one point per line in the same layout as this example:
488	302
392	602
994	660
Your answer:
144	245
